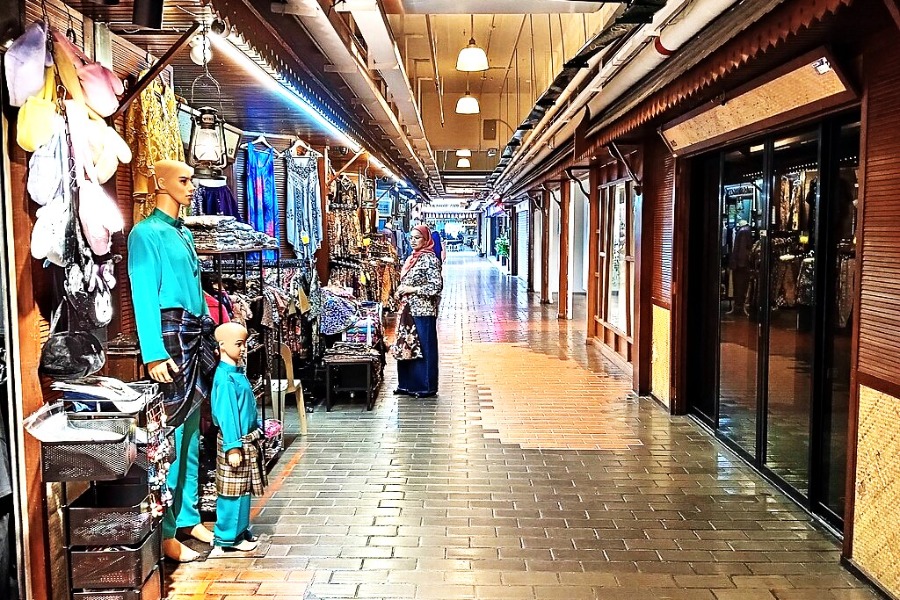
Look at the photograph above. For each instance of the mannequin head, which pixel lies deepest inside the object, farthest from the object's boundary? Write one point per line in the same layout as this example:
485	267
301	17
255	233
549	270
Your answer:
174	187
232	338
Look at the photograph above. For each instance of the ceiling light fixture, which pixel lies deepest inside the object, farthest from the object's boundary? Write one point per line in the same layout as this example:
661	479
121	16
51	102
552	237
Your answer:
464	152
468	104
463	163
472	57
278	83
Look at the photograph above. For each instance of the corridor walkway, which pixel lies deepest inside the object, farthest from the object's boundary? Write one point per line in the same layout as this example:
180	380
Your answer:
534	475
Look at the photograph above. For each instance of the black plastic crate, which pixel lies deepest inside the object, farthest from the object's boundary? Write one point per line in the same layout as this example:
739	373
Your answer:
127	567
151	590
91	461
115	515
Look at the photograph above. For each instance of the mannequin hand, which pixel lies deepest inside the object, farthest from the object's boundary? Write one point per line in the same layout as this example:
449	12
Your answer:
159	370
235	457
406	289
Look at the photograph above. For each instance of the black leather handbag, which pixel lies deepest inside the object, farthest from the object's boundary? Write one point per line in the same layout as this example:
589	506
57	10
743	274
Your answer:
70	354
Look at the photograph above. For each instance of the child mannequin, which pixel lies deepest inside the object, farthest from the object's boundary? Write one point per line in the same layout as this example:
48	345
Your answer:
239	468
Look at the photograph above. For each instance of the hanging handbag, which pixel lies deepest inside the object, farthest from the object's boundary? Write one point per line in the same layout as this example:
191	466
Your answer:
407	346
38	119
87	81
70	354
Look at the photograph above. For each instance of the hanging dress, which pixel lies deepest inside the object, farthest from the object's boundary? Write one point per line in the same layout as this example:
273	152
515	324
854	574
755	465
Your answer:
304	215
262	204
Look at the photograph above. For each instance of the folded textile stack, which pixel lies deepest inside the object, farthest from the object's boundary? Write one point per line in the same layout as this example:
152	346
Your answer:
223	234
352	350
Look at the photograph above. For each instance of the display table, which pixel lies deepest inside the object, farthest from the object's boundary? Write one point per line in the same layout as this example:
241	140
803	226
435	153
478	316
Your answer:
354	374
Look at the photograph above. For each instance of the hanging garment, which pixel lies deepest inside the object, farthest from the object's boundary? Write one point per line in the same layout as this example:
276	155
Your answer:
806	282
846	282
304	215
262	204
218	201
152	132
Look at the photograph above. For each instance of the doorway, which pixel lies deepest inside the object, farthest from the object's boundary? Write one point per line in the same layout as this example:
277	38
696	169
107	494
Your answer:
772	255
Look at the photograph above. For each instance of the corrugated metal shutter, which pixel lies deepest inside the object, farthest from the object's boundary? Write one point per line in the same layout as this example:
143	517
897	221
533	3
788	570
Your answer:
879	322
522	241
662	205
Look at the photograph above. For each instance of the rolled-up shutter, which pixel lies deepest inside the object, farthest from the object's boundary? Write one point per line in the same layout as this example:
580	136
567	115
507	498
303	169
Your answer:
522	240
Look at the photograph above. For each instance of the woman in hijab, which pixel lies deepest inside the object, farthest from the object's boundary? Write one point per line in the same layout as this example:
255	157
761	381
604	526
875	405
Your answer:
420	286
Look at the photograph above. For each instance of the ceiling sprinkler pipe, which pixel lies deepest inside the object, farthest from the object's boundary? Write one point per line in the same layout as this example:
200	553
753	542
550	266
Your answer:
549	125
616	78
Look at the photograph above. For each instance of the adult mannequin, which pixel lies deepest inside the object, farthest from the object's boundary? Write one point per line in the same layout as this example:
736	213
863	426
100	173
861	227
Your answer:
174	331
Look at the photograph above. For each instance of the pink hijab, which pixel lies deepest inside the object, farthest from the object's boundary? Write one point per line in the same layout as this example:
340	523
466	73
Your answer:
416	255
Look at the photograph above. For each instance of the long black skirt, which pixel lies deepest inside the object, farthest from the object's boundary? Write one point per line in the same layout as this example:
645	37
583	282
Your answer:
420	376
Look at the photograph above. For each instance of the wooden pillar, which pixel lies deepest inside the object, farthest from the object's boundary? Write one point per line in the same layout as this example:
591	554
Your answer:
530	280
29	354
513	235
323	254
593	251
565	206
545	249
642	339
680	261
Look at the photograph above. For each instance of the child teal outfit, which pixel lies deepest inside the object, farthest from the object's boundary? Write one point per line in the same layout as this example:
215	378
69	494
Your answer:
234	412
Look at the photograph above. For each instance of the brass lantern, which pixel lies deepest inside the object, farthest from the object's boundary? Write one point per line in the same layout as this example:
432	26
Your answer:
206	151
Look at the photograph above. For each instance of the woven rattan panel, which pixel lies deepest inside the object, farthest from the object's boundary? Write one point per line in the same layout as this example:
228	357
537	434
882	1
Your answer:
876	530
879	323
660	354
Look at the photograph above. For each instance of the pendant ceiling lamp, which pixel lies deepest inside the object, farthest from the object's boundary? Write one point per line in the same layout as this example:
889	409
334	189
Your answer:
472	57
463	163
464	153
468	104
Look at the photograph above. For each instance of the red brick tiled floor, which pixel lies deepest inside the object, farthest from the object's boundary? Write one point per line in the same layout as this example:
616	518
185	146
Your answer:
534	475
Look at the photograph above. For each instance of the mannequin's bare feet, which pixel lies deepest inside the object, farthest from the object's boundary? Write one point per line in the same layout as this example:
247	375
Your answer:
246	546
177	551
199	532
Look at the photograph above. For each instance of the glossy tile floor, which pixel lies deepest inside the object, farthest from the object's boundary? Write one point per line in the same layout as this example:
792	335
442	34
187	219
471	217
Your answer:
534	475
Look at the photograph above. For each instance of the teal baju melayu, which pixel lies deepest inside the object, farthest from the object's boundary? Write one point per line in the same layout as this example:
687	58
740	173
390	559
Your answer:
234	412
164	271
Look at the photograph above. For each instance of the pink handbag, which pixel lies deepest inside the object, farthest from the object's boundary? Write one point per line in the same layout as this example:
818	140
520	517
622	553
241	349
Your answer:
96	86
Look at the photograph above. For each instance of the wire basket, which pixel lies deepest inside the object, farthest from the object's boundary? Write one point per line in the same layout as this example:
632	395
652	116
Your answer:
117	515
88	460
106	568
151	590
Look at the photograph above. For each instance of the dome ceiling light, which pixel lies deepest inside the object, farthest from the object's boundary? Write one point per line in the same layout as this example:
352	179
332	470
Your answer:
463	163
472	57
463	152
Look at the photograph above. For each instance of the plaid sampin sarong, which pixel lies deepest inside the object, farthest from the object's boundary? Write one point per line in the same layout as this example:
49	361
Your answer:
190	343
248	478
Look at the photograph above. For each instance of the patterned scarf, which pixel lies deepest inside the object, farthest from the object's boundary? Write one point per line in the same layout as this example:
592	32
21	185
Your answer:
428	246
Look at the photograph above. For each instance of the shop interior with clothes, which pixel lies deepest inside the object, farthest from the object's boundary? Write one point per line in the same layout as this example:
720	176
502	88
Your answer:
776	268
277	208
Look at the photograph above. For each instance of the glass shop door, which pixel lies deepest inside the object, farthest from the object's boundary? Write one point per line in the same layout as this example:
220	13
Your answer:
783	279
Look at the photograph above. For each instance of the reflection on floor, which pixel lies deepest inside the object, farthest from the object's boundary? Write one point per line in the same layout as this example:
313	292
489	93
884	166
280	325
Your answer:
534	475
790	392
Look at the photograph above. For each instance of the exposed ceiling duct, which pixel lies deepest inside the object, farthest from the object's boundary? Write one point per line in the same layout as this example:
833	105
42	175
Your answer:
346	59
384	56
653	43
495	7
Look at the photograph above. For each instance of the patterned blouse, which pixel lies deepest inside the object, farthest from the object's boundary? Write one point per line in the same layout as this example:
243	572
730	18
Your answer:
425	275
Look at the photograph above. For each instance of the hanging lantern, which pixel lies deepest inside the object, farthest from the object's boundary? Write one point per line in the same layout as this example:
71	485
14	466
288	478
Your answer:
206	151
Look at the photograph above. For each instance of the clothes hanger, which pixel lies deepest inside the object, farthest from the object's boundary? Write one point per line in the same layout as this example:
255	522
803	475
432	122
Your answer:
261	139
298	143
